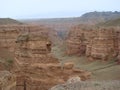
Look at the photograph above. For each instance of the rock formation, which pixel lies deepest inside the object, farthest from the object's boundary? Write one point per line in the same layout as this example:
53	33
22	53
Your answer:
32	47
8	37
9	33
78	38
74	79
36	68
76	42
103	45
7	81
95	43
118	35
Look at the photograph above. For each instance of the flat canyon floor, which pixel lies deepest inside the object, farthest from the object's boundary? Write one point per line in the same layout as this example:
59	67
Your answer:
100	70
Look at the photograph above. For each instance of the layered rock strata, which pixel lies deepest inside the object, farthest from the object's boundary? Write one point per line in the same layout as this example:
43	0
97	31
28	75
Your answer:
95	43
103	46
118	34
9	33
37	69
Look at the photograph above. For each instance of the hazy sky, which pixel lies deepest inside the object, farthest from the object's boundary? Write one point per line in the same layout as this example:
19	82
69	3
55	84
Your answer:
54	8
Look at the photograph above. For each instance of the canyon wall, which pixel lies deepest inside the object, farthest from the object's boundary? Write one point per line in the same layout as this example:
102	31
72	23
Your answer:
36	68
9	33
8	37
95	43
103	46
118	34
78	39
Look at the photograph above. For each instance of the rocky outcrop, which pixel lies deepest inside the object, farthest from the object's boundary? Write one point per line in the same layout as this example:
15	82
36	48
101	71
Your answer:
32	47
36	68
95	43
103	46
7	81
118	34
74	42
8	37
44	76
78	38
9	33
74	79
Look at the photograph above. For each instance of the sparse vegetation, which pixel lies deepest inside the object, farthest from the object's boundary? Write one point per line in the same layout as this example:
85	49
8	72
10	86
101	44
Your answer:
9	61
33	55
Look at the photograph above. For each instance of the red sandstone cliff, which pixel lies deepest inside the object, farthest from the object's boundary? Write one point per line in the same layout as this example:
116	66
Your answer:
37	68
9	33
118	35
95	43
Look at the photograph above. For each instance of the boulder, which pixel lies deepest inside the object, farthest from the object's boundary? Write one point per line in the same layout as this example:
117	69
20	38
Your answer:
74	79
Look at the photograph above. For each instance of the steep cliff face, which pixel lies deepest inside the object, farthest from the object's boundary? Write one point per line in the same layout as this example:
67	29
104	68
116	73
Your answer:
8	37
32	48
9	33
36	68
78	39
103	45
75	44
118	34
96	43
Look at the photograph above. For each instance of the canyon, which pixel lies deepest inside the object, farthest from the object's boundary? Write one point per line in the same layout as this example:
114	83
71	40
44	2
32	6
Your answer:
57	54
33	65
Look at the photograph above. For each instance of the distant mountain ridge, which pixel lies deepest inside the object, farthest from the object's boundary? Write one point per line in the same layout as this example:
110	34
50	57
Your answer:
97	17
87	18
8	21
